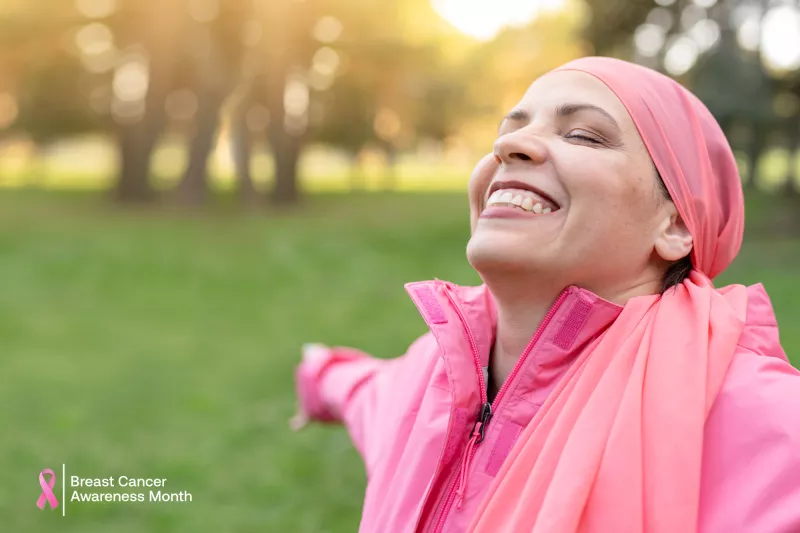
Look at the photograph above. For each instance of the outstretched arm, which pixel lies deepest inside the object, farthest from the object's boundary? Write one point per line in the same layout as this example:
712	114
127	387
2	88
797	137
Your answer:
365	393
333	385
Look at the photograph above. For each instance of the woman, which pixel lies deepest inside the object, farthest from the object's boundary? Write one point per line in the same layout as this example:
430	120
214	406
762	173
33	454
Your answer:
597	382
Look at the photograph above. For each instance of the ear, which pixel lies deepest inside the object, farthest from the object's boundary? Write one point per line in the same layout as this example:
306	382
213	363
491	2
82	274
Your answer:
673	241
479	185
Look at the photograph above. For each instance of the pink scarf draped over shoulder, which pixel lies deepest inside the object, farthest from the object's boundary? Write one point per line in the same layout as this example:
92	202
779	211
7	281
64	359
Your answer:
617	447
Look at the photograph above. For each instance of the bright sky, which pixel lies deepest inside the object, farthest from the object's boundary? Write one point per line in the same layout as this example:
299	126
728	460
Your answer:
779	39
483	19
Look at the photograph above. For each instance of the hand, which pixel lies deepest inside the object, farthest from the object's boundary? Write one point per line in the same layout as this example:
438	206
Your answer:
298	421
311	352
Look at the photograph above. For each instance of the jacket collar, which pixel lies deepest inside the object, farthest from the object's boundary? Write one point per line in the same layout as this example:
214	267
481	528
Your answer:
576	318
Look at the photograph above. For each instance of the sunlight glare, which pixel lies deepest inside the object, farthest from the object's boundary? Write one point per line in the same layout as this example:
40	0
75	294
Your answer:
483	20
780	38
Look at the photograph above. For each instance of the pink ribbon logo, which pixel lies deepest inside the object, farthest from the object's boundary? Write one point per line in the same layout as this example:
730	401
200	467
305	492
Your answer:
47	490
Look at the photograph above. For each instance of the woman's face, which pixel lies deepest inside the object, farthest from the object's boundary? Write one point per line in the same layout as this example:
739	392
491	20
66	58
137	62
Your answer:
574	196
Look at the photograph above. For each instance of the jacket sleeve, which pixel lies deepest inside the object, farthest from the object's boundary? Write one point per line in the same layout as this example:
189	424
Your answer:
346	385
751	460
332	384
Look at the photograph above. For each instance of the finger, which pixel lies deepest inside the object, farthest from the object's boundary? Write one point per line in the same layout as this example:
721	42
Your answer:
298	421
314	351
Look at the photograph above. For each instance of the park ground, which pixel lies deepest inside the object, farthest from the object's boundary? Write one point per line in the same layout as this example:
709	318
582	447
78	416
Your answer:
160	343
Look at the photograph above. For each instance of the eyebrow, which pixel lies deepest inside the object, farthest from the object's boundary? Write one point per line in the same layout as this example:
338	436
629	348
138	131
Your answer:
563	110
518	115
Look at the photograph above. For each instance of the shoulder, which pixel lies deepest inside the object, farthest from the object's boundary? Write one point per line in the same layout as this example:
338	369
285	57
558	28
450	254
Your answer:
751	453
417	364
425	345
424	350
760	397
761	390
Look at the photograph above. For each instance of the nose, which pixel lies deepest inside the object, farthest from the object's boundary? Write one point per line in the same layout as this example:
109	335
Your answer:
520	146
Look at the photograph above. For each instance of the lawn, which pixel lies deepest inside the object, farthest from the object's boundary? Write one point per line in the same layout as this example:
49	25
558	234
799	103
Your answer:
161	344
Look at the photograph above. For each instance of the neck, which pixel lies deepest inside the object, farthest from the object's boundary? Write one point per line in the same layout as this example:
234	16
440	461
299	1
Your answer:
521	308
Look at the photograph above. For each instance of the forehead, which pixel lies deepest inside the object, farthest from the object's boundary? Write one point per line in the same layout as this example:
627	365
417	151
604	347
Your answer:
568	86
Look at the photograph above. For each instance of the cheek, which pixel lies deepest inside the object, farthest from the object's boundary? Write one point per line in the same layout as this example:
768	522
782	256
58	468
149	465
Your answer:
595	187
477	189
478	185
607	189
612	213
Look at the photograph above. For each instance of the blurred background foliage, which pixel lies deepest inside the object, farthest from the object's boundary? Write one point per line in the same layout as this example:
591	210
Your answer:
171	99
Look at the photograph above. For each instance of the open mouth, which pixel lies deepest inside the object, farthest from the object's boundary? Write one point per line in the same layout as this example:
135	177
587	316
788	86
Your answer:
522	196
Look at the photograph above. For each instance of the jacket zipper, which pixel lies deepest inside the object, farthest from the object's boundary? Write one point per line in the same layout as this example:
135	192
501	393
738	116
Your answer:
539	331
457	486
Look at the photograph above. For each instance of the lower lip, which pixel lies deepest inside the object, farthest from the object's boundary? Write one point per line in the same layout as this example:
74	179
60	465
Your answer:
508	212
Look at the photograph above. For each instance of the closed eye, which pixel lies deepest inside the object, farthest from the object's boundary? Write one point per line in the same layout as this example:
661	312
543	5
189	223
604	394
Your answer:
585	138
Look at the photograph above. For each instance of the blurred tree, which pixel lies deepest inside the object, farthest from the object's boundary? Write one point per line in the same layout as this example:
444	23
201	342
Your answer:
791	186
324	71
52	103
216	52
151	34
243	104
288	47
334	75
48	82
750	105
787	107
348	120
611	23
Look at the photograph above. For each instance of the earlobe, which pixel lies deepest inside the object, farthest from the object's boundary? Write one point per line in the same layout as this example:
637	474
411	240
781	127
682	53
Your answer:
673	241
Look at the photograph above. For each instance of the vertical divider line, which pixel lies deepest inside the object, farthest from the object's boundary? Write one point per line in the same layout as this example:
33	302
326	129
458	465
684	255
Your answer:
63	489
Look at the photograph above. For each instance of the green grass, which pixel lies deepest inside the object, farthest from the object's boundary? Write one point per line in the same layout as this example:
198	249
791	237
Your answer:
161	344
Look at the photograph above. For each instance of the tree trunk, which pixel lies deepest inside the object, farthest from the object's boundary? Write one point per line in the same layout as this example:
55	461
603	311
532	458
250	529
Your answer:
281	54
37	167
285	145
755	148
390	175
356	174
791	186
286	150
136	145
193	190
135	153
215	80
138	140
242	153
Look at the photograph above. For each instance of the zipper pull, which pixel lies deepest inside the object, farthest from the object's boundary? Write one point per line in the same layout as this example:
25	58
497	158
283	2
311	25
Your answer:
476	437
483	421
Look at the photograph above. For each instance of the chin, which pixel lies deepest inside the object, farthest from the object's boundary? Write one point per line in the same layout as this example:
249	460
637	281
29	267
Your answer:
491	255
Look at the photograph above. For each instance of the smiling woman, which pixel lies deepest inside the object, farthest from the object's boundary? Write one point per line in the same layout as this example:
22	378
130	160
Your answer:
483	20
583	387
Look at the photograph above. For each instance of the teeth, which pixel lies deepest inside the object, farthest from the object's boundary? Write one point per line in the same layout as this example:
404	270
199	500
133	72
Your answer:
527	203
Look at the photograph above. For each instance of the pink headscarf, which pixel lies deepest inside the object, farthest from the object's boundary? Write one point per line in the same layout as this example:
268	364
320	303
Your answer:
618	445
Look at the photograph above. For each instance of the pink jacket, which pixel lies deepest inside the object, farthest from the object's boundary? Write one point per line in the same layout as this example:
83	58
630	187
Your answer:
411	418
